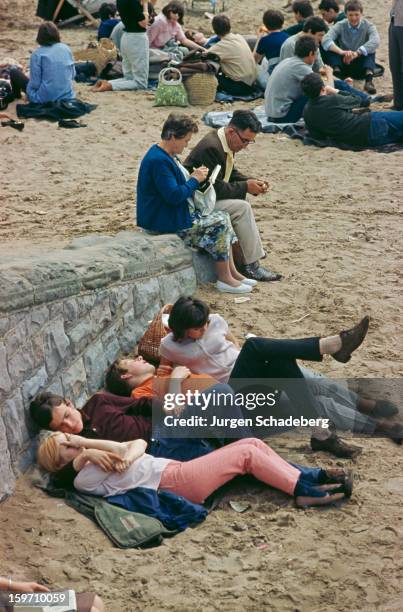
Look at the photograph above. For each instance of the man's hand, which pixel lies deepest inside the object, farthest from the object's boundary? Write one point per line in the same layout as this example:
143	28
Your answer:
349	81
256	187
180	373
28	587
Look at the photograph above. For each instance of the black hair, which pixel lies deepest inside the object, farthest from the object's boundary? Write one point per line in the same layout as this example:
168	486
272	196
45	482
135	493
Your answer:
41	408
245	120
353	5
273	20
304	46
303	7
327	5
311	85
107	10
174	7
114	382
315	25
178	126
221	25
48	34
187	313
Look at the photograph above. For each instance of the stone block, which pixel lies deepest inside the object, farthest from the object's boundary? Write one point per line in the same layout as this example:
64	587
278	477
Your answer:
82	334
145	294
101	314
7	477
5	382
4	326
56	310
169	288
34	384
39	317
121	298
187	281
130	332
99	273
204	267
56	345
70	312
21	364
55	387
52	279
95	364
110	343
16	337
74	381
85	303
16	427
38	349
15	291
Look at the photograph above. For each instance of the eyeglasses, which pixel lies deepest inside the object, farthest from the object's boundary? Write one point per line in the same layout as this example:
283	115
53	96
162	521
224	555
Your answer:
175	11
245	141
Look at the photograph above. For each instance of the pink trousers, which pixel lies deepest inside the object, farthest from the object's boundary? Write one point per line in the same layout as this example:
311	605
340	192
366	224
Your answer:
198	478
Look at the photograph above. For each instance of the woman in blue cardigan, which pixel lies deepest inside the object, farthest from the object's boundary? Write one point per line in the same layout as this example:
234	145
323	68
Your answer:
164	203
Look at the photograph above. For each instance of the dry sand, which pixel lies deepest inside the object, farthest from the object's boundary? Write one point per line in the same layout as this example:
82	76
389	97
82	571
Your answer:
332	223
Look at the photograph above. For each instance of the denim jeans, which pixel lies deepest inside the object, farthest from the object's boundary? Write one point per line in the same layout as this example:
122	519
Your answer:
343	86
385	128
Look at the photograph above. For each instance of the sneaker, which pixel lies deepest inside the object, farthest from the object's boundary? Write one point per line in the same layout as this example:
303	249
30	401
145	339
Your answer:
224	288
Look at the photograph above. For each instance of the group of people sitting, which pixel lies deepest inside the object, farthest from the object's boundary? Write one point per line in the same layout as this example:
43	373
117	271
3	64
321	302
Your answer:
109	447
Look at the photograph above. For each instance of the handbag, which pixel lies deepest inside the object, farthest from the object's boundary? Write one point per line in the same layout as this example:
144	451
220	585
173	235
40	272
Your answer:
203	201
170	92
149	344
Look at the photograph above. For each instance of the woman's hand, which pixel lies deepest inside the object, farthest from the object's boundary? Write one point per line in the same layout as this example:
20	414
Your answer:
28	587
75	441
200	174
107	461
180	373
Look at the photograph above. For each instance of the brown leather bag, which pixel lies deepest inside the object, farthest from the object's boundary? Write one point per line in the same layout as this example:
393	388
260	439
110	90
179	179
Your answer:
149	344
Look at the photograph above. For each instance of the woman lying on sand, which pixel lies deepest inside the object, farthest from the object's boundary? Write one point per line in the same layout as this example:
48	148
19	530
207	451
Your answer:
195	480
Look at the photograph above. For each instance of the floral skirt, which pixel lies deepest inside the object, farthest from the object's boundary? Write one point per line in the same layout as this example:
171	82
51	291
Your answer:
213	234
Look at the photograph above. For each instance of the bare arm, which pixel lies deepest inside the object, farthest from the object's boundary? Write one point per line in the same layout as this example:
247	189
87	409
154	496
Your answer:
21	587
231	338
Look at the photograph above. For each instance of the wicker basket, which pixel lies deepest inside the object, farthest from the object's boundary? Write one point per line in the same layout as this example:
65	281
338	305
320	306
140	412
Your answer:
201	89
149	344
102	54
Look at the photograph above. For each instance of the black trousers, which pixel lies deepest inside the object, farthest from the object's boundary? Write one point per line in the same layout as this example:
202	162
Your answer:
234	88
396	63
19	82
263	359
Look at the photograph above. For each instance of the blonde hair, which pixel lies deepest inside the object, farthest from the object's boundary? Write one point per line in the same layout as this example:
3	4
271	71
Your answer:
49	453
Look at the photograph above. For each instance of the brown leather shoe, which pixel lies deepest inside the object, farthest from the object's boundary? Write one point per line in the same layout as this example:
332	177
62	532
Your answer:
336	447
351	339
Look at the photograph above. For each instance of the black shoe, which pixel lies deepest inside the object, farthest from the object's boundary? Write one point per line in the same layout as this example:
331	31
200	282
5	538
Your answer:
257	272
384	409
335	446
17	125
382	98
71	123
369	86
351	340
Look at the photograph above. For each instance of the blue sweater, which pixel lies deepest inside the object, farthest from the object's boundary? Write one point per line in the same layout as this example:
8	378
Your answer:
51	74
162	193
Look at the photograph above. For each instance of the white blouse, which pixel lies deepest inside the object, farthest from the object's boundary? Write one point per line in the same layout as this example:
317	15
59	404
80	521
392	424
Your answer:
212	354
146	472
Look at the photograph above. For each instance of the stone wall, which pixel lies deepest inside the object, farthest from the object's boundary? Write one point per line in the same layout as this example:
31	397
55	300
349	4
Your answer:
66	316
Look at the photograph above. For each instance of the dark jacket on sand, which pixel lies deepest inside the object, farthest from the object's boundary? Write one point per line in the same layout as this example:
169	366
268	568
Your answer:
209	152
332	117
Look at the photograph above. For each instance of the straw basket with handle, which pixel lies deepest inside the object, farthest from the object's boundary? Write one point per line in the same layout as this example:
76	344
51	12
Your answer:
149	344
201	88
102	54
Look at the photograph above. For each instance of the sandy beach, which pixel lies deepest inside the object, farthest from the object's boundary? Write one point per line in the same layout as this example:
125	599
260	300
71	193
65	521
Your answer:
332	224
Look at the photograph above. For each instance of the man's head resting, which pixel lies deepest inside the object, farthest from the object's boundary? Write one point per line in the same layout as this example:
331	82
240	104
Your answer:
51	411
127	373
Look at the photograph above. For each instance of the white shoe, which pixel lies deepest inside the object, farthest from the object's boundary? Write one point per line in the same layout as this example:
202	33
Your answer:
249	281
224	288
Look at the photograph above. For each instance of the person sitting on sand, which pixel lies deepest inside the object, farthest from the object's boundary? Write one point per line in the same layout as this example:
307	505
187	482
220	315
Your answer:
330	11
195	480
284	100
165	204
269	43
86	602
218	148
107	15
238	72
167	27
51	70
134	48
329	113
302	10
351	45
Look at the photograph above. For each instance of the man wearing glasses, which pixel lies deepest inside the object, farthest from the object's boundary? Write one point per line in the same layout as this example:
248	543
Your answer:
219	148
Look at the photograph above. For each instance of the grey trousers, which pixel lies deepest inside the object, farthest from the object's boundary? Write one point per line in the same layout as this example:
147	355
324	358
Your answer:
134	48
396	63
244	224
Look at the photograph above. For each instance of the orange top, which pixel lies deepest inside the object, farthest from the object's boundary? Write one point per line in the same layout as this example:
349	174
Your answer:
157	386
